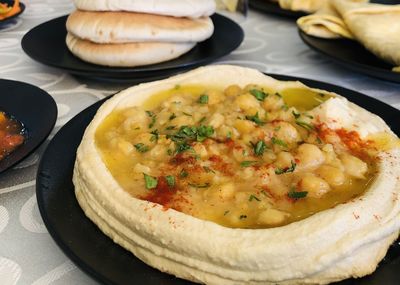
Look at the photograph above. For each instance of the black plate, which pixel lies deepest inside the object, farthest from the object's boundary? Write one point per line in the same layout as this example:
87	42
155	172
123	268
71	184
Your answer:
7	20
46	44
109	263
34	108
270	7
352	55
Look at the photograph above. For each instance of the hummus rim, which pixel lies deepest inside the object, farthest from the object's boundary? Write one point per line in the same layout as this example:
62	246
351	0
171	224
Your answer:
358	232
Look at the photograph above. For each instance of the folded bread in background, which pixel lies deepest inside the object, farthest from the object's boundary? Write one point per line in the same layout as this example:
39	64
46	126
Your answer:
375	26
308	6
125	37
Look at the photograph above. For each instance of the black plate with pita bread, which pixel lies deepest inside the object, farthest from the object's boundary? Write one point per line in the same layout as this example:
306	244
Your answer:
271	7
352	55
97	255
46	44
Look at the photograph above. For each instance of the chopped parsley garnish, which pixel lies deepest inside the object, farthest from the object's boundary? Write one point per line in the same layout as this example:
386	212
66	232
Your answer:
229	135
187	114
181	147
140	147
150	181
308	116
296	115
279	95
279	142
305	125
153	118
319	140
203	99
173	116
297	194
154	136
202	120
285	107
279	171
252	197
260	95
183	173
187	134
205	185
170	151
277	128
170	180
170	128
242	217
226	212
248	163
204	132
259	148
208	169
256	119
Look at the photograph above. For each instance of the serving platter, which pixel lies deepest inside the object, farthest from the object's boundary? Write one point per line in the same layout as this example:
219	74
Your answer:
46	44
34	108
107	262
352	55
9	19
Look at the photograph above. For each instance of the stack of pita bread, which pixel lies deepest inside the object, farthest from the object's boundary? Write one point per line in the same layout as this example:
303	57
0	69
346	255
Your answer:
375	26
128	33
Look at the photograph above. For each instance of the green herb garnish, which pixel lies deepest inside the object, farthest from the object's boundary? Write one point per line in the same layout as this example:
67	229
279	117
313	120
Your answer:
297	194
154	136
260	95
170	180
140	147
248	163
150	181
229	135
279	142
256	119
259	148
170	128
204	132
279	171
296	115
173	116
285	107
208	169
187	114
153	118
252	197
202	120
305	125
203	99
226	212
183	173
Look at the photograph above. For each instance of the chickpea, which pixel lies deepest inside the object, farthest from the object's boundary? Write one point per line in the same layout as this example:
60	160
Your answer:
309	156
286	132
227	190
247	102
141	168
215	97
216	120
233	90
158	152
332	175
183	121
273	103
354	166
124	146
284	159
244	126
315	186
272	217
135	119
200	149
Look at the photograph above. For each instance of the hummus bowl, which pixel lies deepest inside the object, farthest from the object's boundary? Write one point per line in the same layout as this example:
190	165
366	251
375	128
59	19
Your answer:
279	184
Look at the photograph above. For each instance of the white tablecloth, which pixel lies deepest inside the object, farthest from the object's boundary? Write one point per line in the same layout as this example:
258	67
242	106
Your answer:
28	255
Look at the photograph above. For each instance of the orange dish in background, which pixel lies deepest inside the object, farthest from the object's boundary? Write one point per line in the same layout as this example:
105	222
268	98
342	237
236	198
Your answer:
7	11
11	135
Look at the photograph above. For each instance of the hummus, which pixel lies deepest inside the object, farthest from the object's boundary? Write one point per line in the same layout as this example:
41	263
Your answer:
224	175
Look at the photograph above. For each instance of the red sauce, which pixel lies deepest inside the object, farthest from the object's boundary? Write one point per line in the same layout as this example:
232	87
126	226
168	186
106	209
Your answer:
11	135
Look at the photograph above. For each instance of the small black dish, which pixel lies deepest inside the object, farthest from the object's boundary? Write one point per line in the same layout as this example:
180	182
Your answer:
9	19
352	55
46	44
271	7
107	262
34	108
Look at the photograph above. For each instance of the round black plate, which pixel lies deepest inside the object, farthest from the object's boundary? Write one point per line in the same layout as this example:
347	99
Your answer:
109	263
34	108
270	7
7	20
352	55
46	44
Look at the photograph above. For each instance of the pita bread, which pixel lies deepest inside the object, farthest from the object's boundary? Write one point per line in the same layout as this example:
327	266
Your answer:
176	8
309	6
125	27
126	55
375	26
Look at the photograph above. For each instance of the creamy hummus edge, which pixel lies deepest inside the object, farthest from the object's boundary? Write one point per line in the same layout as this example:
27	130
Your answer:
348	240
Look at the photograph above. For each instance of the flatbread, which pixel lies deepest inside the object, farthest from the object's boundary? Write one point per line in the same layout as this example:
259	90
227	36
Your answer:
309	6
375	26
126	55
125	27
176	8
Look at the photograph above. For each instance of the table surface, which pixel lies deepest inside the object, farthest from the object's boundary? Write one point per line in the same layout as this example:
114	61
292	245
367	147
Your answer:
28	255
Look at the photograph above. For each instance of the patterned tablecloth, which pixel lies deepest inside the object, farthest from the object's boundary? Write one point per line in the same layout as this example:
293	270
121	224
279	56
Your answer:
28	255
